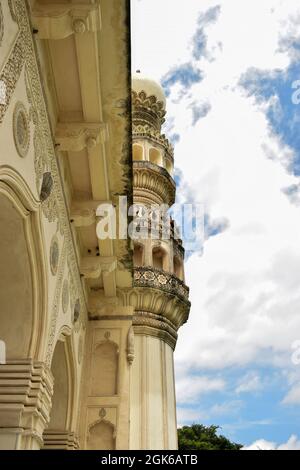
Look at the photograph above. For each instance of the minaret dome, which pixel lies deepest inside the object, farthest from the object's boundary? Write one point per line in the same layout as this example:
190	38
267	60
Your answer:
149	86
148	102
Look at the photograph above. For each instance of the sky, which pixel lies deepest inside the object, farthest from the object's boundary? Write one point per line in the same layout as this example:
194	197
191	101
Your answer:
230	71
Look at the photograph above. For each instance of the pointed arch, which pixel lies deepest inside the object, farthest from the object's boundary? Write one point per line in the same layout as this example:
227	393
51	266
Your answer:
22	259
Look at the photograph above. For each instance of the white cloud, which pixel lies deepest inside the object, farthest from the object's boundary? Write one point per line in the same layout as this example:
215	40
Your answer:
195	414
293	443
251	382
293	396
189	389
245	288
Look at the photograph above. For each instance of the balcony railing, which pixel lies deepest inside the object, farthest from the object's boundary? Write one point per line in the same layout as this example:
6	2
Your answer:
158	279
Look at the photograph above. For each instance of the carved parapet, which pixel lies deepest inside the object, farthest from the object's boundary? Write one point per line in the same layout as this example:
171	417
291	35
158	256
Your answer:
158	279
157	292
147	110
140	131
60	20
74	137
26	388
152	184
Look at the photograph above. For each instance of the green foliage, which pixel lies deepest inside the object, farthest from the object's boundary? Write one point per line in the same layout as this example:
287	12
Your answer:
200	437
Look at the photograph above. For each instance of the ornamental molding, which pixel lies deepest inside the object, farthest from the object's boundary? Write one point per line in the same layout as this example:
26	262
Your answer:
21	129
54	255
62	440
74	137
147	110
65	297
146	323
58	21
158	293
153	183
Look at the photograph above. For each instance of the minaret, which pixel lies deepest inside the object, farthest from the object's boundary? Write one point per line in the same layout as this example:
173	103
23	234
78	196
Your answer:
160	295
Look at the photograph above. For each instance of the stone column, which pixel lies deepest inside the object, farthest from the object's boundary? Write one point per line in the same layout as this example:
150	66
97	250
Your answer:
26	387
152	402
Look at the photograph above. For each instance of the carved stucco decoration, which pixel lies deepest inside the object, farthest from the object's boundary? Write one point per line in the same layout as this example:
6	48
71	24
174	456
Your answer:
21	129
46	188
56	304
54	255
65	297
76	311
155	325
22	57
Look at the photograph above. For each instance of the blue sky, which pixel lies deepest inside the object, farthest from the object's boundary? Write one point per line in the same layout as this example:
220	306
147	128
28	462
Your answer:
228	70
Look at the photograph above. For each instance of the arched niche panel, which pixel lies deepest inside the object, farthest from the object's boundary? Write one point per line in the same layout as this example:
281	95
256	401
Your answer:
160	258
137	152
23	301
101	436
16	282
155	156
138	254
104	369
61	392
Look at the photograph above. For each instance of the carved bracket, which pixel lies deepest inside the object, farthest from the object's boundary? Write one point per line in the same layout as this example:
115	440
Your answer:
76	136
91	266
58	21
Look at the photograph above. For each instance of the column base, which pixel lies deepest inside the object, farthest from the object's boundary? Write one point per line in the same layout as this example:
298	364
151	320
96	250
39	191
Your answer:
26	387
60	440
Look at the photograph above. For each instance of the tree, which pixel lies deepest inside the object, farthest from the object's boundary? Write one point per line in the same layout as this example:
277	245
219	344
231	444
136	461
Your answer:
200	437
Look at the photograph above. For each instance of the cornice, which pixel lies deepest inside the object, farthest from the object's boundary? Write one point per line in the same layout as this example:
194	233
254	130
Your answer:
152	183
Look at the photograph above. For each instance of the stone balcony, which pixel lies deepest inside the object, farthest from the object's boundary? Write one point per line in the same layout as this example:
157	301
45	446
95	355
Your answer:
152	184
159	279
160	301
